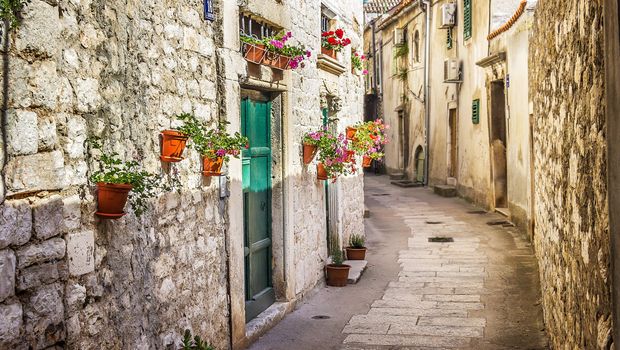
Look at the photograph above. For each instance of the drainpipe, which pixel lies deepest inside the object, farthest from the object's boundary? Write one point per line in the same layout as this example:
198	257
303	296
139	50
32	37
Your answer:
374	62
427	87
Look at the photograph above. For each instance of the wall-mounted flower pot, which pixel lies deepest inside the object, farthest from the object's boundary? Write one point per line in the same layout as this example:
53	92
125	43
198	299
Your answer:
337	275
351	131
277	61
321	174
309	153
254	53
328	52
212	166
172	146
356	253
366	162
350	156
111	199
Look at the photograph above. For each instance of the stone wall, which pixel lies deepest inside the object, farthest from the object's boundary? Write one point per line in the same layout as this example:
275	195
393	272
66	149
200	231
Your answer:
118	70
571	233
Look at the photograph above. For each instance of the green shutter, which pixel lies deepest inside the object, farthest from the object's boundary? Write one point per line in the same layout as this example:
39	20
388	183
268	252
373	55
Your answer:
475	112
467	19
449	38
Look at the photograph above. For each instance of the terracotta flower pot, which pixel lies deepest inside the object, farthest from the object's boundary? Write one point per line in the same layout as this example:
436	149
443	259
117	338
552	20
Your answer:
212	166
279	62
328	52
351	131
367	161
172	145
309	153
350	156
254	53
321	174
111	199
356	253
337	275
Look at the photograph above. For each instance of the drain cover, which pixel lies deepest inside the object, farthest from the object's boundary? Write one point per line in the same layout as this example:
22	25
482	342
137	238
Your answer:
320	317
434	222
499	222
440	239
476	212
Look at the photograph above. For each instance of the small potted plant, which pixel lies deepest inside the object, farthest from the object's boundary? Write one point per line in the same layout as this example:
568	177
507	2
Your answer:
311	143
356	249
357	63
350	131
333	42
216	147
175	140
337	272
116	179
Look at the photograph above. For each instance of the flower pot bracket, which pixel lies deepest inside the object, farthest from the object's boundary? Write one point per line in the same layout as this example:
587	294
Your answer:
253	53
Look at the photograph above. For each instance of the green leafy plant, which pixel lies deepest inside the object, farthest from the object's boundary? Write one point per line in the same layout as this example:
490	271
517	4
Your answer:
332	152
370	138
356	241
401	50
211	143
145	185
278	44
10	11
337	256
357	62
194	343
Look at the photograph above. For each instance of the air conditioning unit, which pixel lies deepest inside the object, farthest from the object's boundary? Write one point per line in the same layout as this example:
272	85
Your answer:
448	15
451	70
399	36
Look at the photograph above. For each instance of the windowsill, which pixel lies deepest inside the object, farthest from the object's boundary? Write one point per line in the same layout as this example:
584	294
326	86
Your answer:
330	65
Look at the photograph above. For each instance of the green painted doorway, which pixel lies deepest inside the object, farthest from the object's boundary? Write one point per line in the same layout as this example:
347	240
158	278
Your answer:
255	124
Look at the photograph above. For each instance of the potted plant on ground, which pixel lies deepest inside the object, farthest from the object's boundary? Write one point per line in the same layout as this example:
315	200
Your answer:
337	272
369	141
357	63
333	42
274	51
116	178
356	249
217	146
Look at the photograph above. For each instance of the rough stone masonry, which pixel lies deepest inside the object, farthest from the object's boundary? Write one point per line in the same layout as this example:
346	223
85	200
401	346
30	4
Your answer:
571	234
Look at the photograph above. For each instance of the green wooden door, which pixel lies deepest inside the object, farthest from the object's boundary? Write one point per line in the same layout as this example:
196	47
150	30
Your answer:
255	124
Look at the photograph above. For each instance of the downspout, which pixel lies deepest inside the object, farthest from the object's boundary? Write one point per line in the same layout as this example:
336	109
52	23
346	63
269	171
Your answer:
374	62
427	88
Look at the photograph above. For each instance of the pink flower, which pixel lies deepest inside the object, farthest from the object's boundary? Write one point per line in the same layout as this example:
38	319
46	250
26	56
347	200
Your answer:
220	152
289	34
363	57
308	53
277	43
365	71
293	64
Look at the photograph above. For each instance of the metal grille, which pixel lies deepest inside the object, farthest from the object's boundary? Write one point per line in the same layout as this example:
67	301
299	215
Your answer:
324	23
255	27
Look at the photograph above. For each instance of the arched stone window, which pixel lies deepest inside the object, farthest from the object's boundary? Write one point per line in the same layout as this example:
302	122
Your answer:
416	47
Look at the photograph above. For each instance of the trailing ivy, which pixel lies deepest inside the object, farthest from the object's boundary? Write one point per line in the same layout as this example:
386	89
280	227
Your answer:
10	11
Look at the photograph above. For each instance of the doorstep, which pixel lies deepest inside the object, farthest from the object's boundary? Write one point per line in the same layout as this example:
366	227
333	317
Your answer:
357	268
266	320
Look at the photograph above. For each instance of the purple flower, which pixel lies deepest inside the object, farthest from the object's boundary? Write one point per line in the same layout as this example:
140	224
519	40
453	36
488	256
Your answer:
293	64
308	53
220	152
289	34
277	43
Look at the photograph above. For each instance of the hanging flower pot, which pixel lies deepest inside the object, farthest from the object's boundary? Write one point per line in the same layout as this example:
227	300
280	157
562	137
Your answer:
350	156
351	132
366	162
111	199
309	152
321	174
329	52
172	146
212	166
337	275
254	52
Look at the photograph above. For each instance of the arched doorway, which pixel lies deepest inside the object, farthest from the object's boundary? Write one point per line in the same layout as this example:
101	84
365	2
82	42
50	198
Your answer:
419	164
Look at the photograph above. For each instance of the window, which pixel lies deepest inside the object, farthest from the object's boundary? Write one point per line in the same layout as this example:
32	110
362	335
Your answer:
416	47
324	23
467	20
255	27
209	15
475	111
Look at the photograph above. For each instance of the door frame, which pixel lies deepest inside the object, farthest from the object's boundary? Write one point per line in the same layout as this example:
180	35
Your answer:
491	126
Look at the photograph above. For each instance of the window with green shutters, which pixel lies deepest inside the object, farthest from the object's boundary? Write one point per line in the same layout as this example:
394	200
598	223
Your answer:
475	112
467	24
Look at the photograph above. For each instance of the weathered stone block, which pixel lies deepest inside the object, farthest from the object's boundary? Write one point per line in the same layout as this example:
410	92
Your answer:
7	274
75	296
47	134
22	132
80	252
45	85
41	171
76	135
87	91
15	223
38	275
39	33
71	213
52	249
10	323
47	217
44	316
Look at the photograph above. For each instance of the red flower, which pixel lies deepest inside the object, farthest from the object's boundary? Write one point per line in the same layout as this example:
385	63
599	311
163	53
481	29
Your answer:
363	57
332	41
339	33
346	42
324	34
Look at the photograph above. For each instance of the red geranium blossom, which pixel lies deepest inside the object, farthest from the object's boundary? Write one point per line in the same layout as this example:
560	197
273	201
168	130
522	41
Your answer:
339	33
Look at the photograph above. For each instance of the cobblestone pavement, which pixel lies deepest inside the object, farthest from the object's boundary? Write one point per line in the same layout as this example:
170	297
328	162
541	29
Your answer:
479	289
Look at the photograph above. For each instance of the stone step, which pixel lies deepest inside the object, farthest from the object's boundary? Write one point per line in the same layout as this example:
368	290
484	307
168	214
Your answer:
357	268
407	184
445	190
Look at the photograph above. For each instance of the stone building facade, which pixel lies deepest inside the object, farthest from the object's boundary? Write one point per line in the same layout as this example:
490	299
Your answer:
572	228
121	71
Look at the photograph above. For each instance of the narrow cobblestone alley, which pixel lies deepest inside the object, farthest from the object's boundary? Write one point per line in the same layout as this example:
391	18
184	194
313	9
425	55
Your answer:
480	291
